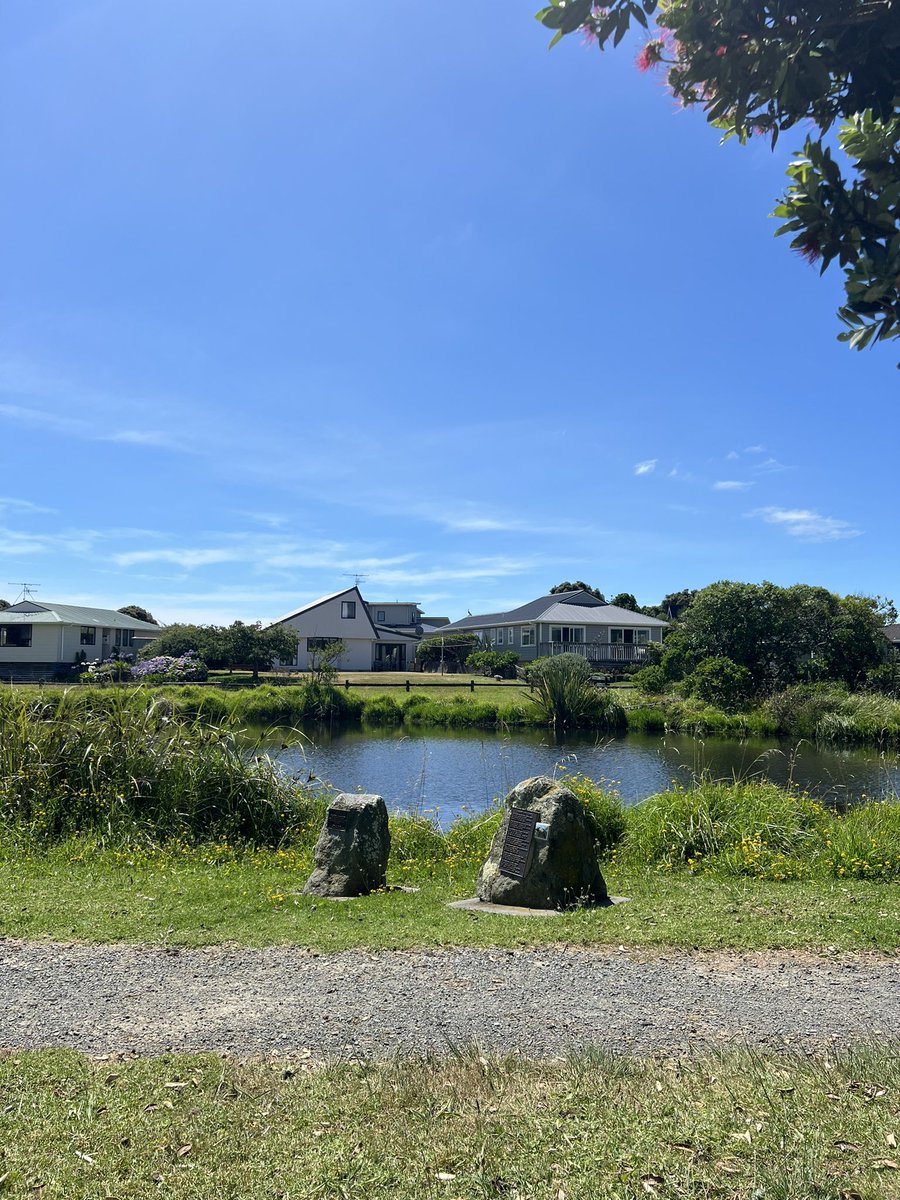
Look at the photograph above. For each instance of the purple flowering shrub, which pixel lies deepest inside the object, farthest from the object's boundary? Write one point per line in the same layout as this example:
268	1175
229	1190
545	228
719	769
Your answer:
187	668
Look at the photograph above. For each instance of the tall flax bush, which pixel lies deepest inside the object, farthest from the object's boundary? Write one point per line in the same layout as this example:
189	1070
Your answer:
565	697
126	765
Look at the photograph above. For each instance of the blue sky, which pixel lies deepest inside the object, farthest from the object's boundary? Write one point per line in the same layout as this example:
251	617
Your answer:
294	291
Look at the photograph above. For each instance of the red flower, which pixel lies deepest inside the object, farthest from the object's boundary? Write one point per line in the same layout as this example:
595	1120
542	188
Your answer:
809	249
650	55
721	52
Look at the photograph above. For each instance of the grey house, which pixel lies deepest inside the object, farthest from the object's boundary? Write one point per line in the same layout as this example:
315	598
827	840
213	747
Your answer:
567	622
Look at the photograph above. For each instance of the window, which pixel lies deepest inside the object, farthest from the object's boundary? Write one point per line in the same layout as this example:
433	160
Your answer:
642	636
88	635
125	638
492	636
528	635
313	644
510	635
566	633
379	615
15	635
499	637
628	636
348	609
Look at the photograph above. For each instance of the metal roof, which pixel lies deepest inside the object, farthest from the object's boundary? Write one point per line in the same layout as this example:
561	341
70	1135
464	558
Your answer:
575	608
32	612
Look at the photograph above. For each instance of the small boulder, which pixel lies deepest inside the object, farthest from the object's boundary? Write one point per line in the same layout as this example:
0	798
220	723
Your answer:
350	858
560	870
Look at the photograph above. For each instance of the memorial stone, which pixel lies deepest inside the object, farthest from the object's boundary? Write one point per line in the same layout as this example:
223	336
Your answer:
350	858
543	854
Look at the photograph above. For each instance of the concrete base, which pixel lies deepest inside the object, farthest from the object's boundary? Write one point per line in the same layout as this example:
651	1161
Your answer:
512	910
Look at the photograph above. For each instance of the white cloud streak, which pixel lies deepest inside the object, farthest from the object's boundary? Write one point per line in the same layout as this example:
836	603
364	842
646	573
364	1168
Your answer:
806	524
731	485
647	467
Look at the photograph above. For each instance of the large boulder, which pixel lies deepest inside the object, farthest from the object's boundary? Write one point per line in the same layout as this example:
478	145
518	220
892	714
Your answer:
543	854
350	858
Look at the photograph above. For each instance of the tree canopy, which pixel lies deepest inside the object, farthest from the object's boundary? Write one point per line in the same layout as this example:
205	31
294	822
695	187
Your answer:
578	586
139	613
760	67
780	636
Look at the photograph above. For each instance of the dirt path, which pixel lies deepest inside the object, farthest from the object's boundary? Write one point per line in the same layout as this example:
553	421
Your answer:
541	1002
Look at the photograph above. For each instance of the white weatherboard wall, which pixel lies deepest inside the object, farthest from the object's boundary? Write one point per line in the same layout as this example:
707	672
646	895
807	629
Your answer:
46	646
325	621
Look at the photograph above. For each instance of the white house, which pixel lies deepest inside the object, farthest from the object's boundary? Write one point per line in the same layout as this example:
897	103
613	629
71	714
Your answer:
345	617
39	639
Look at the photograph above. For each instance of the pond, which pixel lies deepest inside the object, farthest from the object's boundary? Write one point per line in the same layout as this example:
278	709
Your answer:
445	774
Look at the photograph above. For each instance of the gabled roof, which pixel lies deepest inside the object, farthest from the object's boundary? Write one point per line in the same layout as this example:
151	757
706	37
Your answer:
575	608
892	633
350	591
32	612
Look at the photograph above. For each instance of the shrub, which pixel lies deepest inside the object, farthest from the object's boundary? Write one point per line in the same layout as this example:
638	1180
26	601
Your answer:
187	668
493	662
652	679
720	681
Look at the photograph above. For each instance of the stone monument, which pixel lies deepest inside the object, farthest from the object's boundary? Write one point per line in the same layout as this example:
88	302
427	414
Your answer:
350	858
543	855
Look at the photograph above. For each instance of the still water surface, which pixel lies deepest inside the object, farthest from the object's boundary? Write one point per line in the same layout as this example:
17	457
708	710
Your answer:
448	773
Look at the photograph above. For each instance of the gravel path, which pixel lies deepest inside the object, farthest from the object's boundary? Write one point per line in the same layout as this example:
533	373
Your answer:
103	999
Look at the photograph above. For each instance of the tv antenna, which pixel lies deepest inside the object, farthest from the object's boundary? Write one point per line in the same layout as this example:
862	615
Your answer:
356	577
27	590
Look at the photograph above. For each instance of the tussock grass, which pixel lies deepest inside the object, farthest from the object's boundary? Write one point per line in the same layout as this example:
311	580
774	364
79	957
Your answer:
469	1126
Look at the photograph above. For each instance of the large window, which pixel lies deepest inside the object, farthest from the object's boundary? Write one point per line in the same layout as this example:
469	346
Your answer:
15	635
89	635
510	636
629	637
527	635
566	633
348	609
379	615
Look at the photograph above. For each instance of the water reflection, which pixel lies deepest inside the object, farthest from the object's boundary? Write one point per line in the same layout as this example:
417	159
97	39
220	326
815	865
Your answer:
448	773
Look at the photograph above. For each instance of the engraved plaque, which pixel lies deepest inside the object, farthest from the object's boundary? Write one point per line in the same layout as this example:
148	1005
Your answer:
338	818
516	853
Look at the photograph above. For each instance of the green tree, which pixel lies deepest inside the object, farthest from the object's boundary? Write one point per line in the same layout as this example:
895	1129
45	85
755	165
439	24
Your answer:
779	635
625	600
4	604
139	614
578	586
760	67
256	648
178	639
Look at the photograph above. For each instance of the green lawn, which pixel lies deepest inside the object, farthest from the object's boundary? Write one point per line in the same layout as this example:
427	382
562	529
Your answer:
735	1126
205	896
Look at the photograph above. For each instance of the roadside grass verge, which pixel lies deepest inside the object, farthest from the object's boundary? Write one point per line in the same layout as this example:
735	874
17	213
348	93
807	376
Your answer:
732	1125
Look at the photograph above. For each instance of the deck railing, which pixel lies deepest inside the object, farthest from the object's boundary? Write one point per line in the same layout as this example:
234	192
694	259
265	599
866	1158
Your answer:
598	652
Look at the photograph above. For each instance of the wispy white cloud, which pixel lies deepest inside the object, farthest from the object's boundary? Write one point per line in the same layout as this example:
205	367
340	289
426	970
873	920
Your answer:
682	476
770	466
731	485
806	524
647	467
87	431
22	507
731	456
754	449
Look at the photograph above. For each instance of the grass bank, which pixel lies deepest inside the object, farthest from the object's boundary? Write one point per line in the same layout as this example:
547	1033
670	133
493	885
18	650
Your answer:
817	713
733	1125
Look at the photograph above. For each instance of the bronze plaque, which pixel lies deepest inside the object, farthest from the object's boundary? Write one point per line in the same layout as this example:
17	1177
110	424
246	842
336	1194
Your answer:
338	818
516	853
